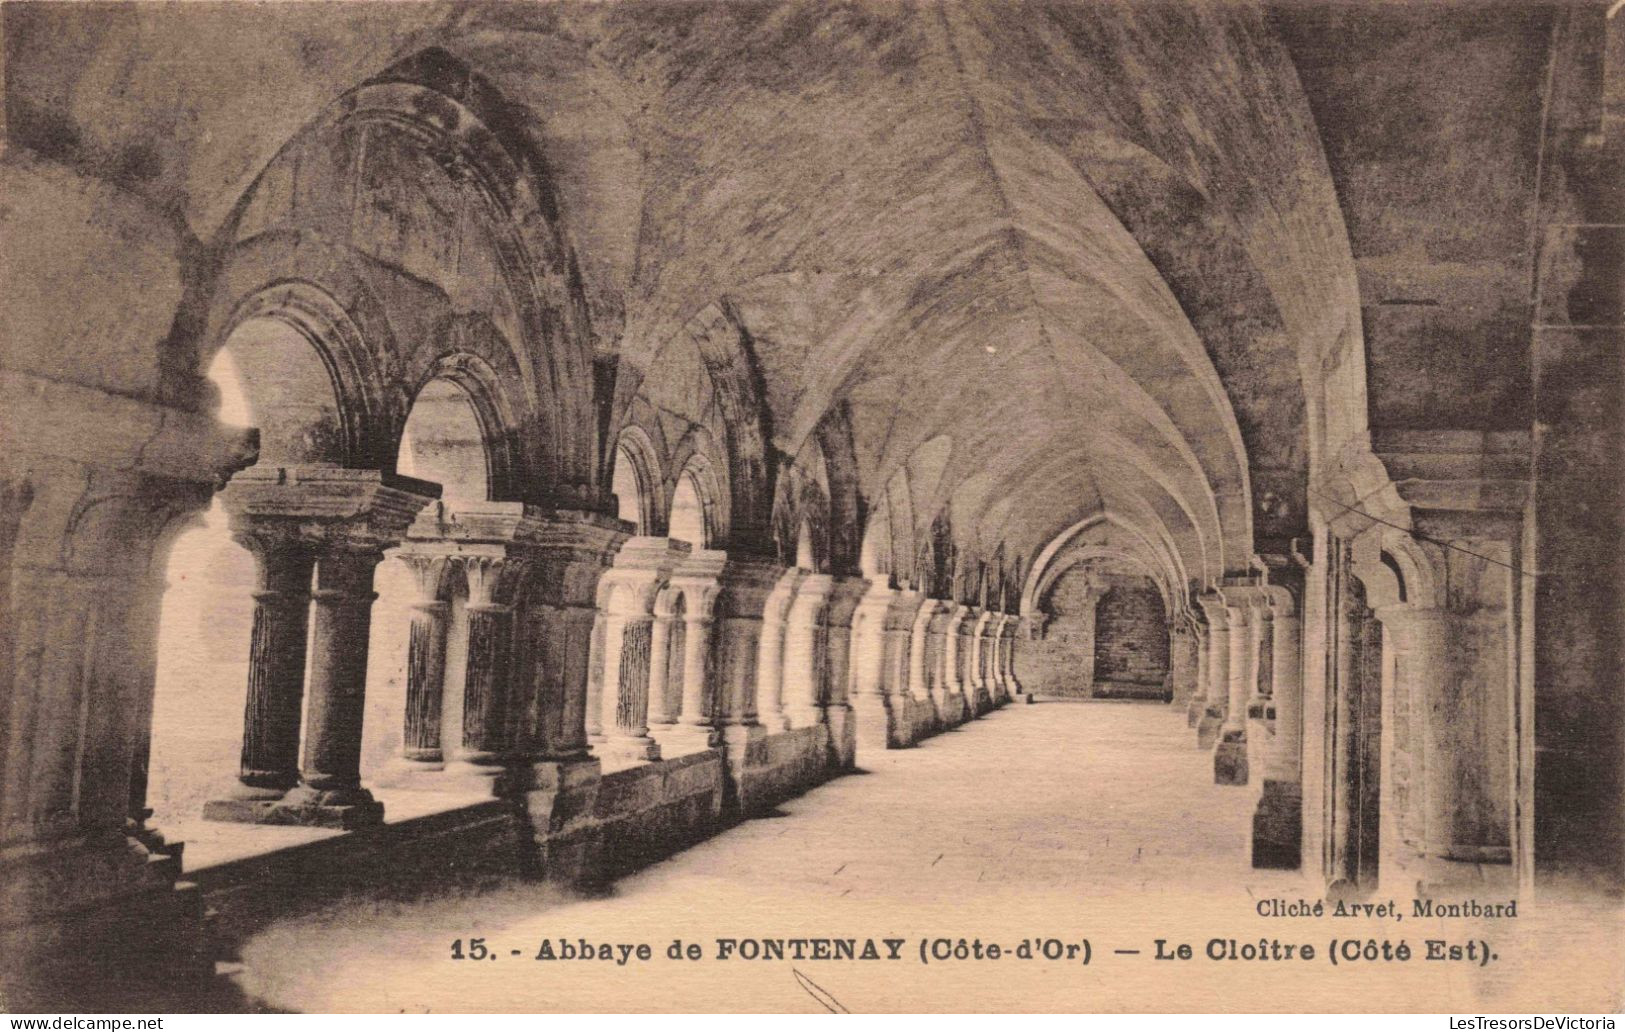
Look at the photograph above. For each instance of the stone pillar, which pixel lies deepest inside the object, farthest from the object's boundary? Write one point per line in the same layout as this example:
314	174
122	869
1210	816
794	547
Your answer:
993	644
977	668
805	651
91	495
745	584
330	792
554	774
953	683
1218	669
946	699
1230	754
919	678
1261	671
1451	593
626	612
899	641
666	660
1016	632
421	747
1181	663
1463	790
770	657
1278	822
273	710
346	517
697	726
1570	770
1198	700
486	747
844	597
871	703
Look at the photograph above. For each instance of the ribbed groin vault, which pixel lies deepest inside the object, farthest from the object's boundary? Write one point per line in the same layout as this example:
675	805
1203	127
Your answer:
531	438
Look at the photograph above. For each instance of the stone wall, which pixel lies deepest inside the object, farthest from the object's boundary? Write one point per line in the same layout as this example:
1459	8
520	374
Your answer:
1105	637
1131	640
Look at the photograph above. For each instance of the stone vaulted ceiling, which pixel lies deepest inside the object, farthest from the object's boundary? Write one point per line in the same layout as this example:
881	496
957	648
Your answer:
1056	261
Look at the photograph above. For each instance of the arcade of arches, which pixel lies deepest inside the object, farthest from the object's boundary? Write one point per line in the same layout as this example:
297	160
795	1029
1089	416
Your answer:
535	438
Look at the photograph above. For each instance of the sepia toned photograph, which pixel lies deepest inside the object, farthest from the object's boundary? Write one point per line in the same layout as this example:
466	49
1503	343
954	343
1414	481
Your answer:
812	506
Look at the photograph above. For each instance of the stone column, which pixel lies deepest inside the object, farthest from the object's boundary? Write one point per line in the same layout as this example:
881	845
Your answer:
627	594
1461	736
421	748
1230	754
844	597
745	584
486	749
665	676
1278	822
805	651
919	680
276	672
948	702
697	725
346	517
1197	704
770	657
1218	669
1016	632
555	777
1260	653
871	705
975	682
966	658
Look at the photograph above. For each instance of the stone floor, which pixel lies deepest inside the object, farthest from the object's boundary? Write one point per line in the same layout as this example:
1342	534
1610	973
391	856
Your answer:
1091	820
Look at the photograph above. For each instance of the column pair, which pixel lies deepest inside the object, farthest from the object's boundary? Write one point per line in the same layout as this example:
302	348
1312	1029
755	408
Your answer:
627	596
317	536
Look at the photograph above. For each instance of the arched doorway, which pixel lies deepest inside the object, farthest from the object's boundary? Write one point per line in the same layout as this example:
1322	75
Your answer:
268	375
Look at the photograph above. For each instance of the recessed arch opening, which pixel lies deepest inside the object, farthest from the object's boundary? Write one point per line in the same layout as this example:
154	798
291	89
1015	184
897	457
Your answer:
444	442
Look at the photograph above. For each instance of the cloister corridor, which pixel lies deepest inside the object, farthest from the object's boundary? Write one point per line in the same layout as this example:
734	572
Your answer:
624	471
1059	819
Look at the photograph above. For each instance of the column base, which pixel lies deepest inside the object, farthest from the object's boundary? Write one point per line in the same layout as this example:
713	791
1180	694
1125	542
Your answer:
618	752
1230	759
1278	826
843	736
1194	711
306	806
682	739
559	807
1208	727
